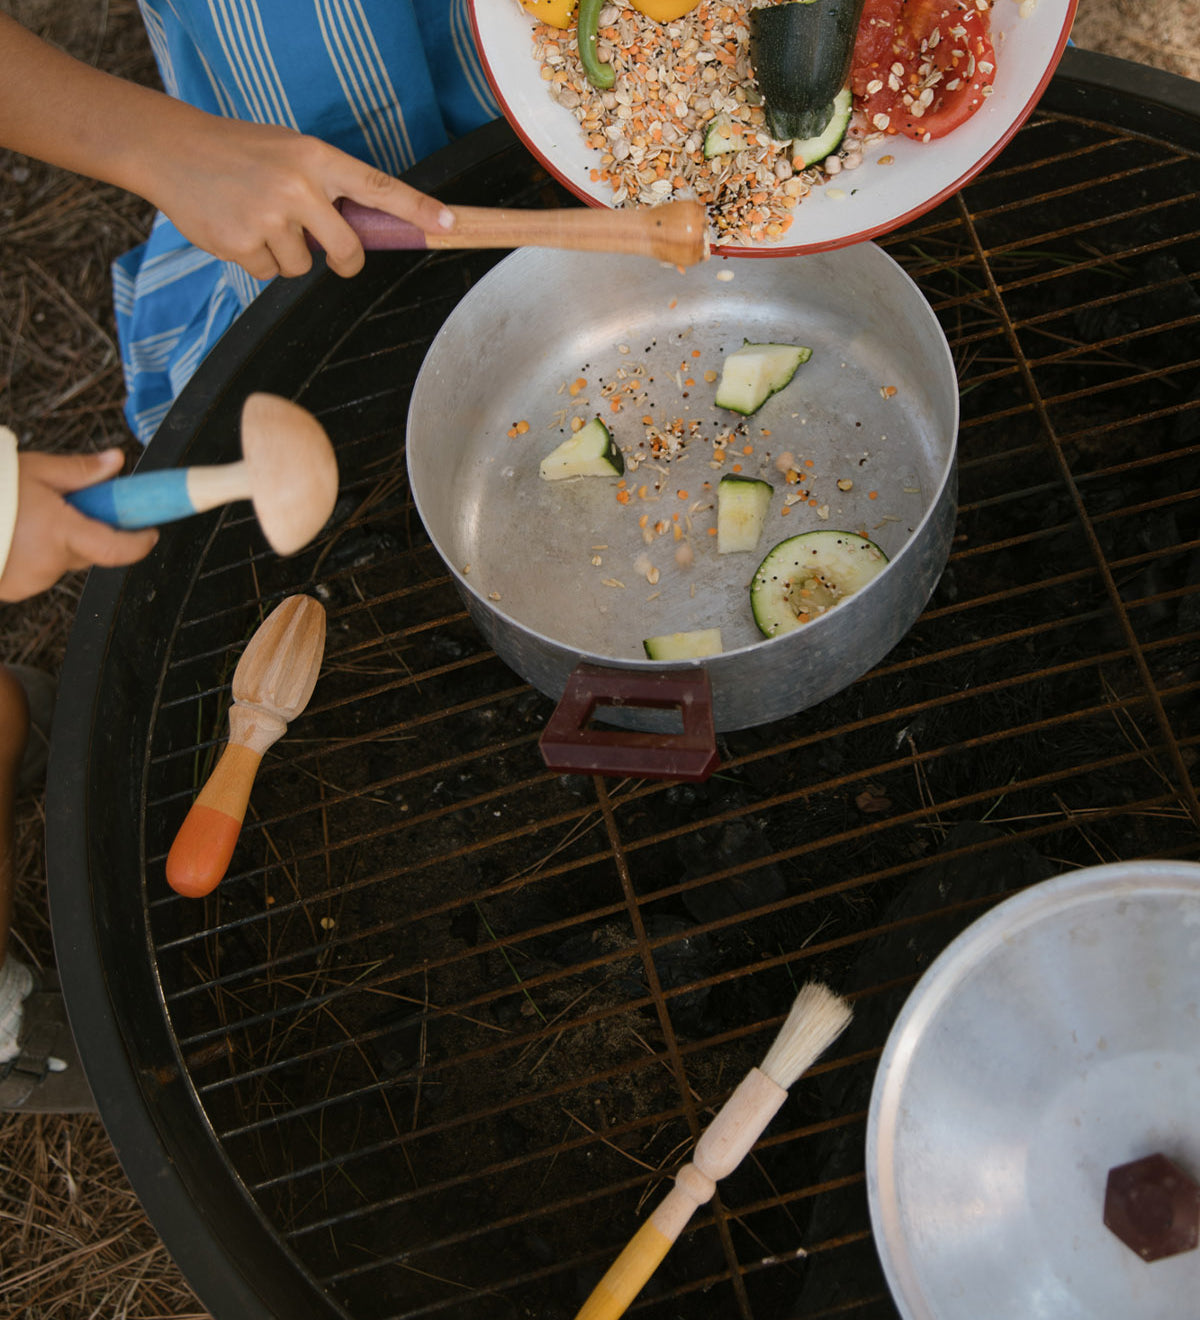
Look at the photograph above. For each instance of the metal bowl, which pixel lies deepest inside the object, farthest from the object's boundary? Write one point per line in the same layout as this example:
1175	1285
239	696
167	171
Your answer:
1057	1037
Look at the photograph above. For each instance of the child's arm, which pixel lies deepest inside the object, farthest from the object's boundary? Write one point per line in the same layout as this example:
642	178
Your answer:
245	192
49	537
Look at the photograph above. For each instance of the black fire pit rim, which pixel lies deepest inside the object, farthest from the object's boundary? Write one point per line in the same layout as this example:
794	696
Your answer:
231	1255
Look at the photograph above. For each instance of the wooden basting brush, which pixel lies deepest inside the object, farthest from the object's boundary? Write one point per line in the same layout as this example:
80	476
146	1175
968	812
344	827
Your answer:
817	1018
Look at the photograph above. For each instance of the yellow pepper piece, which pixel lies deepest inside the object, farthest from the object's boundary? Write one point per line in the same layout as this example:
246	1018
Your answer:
557	13
665	11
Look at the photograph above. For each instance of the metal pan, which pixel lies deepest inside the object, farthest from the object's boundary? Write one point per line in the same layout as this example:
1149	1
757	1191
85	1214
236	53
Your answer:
558	573
1054	1040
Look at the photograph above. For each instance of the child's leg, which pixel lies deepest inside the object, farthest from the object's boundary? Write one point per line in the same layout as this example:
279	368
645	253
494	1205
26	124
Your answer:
39	1067
14	736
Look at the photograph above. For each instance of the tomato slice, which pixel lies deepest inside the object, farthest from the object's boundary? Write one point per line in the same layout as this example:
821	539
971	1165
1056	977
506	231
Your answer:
922	67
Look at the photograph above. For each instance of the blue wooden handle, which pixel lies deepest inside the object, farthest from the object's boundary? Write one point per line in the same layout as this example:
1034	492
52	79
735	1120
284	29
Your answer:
144	499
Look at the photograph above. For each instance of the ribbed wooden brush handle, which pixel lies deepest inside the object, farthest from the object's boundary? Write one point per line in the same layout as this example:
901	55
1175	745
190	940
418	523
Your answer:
721	1148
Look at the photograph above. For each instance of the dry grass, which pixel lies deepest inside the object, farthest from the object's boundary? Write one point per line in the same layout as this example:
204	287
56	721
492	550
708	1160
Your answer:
73	1239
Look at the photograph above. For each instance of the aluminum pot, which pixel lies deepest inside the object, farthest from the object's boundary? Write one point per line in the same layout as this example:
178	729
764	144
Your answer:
565	579
1052	1042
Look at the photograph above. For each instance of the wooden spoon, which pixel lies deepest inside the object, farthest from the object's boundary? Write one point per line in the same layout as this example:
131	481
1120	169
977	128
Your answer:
676	232
271	686
288	470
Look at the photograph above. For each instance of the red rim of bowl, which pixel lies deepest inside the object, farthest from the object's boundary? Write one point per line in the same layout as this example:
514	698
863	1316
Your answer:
859	236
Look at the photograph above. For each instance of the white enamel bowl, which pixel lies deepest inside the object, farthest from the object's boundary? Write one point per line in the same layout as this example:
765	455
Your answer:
1029	36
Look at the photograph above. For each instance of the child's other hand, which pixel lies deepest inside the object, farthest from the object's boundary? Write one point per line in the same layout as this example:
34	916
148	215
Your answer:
51	537
248	193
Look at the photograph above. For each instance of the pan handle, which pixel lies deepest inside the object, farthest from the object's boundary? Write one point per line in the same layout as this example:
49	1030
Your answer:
570	746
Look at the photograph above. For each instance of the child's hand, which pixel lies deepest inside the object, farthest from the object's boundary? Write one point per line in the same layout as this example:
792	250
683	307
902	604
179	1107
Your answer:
51	537
245	192
248	193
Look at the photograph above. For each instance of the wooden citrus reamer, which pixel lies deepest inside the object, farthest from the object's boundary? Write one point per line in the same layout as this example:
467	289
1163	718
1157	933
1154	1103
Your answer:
817	1018
676	232
272	683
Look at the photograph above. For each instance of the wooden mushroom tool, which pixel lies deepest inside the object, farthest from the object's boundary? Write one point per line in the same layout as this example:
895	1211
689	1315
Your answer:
676	232
817	1018
271	686
288	471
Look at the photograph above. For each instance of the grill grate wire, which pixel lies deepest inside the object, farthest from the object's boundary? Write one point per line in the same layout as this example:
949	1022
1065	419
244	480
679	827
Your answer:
454	1020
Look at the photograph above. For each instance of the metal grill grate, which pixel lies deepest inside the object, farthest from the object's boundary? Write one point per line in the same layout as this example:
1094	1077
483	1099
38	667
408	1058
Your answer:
452	1020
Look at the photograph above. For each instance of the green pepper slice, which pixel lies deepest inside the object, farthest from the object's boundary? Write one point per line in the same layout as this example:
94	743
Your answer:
600	75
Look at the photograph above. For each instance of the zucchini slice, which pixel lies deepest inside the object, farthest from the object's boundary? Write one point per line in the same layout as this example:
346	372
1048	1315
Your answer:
684	645
756	371
742	504
807	575
813	150
719	137
590	452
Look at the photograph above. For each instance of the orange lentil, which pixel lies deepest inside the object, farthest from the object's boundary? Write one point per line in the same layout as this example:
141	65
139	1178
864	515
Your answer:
622	497
712	531
673	304
808	462
695	352
680	494
737	467
872	494
615	405
689	381
643	520
522	427
647	420
787	508
747	449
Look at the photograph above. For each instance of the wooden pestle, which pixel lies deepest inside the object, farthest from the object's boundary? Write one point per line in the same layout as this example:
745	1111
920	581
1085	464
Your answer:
288	470
272	684
675	231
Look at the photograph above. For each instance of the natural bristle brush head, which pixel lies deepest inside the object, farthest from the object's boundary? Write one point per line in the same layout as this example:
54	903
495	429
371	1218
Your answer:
817	1018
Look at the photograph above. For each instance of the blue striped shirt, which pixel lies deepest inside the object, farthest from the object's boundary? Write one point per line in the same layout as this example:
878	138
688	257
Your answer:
387	81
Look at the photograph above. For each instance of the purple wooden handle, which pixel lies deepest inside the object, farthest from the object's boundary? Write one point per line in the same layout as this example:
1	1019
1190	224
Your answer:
379	232
569	746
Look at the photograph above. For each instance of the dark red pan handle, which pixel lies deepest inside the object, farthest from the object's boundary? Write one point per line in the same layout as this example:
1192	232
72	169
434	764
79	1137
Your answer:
569	745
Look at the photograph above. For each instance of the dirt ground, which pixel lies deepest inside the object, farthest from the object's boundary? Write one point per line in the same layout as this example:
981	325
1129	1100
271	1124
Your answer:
73	1240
